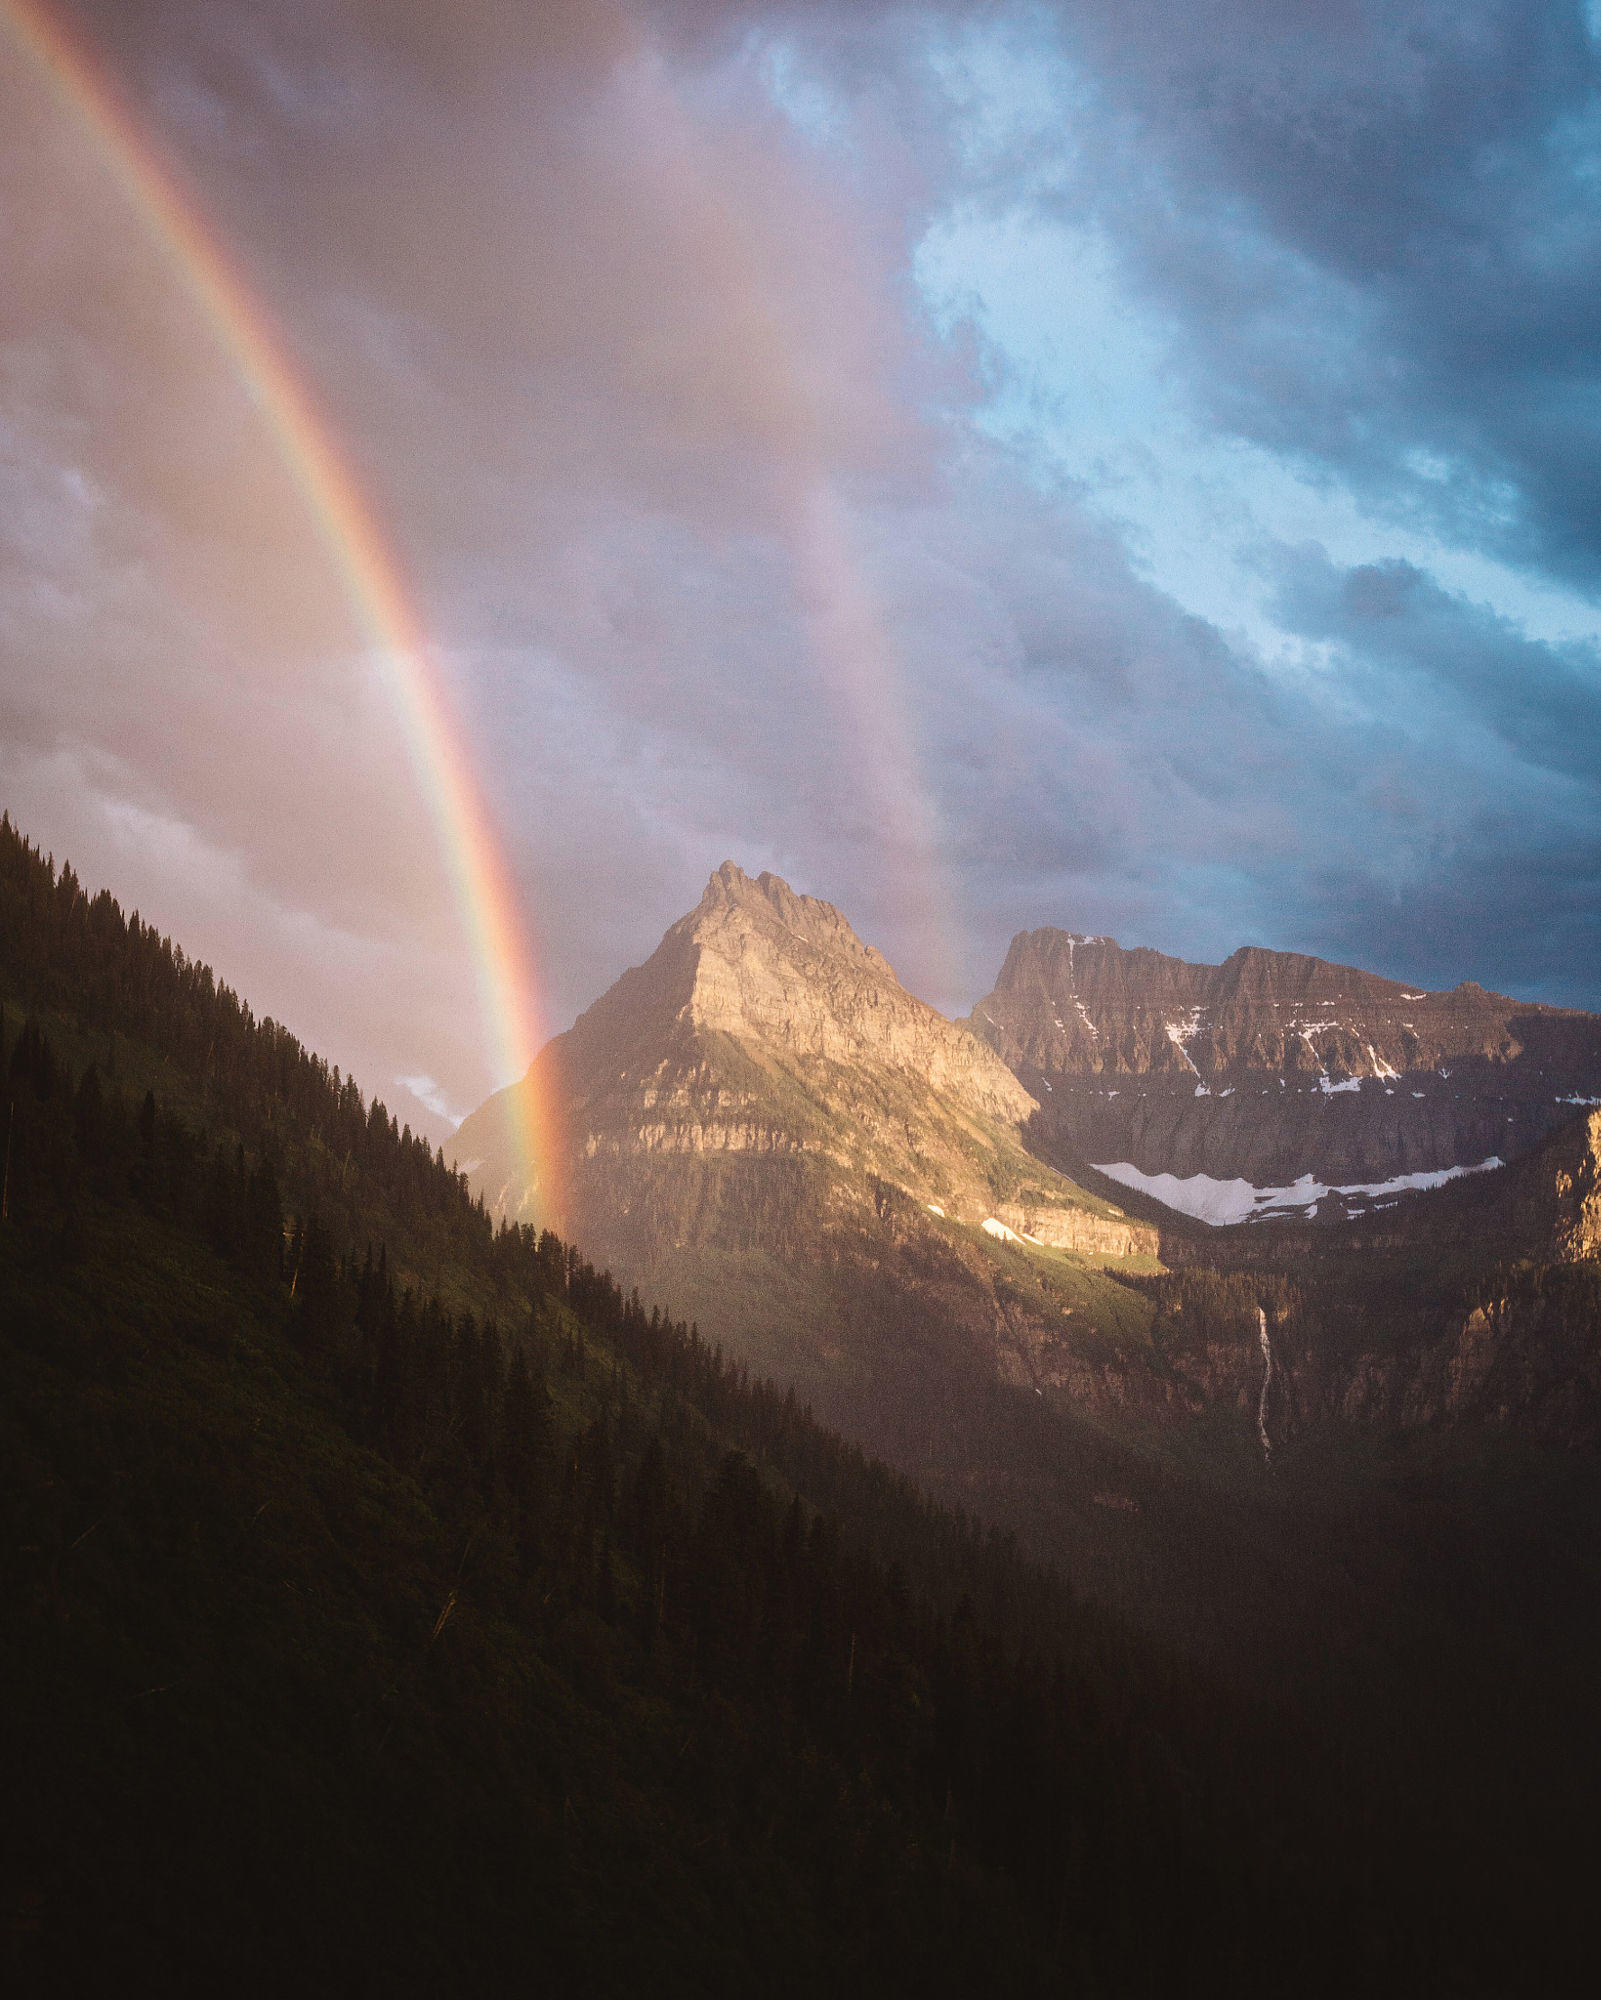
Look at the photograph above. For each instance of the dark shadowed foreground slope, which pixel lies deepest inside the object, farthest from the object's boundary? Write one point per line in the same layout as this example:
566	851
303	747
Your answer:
394	1606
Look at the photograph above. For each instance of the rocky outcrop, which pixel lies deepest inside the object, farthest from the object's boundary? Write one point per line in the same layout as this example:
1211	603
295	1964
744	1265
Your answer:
1273	1065
1080	1230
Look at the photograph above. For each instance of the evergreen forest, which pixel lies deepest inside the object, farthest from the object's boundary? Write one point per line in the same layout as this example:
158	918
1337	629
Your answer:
394	1604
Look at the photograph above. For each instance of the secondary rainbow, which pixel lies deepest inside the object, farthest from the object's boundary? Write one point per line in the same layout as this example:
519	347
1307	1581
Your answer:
378	598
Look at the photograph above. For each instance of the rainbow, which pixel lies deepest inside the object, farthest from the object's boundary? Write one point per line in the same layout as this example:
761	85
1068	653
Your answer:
480	878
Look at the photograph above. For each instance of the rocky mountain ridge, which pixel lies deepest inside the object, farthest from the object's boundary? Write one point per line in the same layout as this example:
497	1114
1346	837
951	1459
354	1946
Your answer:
1275	1065
763	1124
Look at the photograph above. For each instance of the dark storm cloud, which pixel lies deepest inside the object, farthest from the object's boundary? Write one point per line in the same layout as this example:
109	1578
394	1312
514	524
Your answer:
1378	231
1406	636
1493	851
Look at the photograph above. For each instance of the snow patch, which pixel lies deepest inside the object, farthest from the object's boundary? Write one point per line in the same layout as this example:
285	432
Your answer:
1200	1195
933	1208
1180	1032
991	1226
1220	1202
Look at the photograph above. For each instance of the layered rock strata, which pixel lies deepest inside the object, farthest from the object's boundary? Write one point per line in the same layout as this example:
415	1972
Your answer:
1273	1065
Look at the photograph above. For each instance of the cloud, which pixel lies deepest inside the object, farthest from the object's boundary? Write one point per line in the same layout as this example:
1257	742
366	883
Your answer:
617	312
1375	233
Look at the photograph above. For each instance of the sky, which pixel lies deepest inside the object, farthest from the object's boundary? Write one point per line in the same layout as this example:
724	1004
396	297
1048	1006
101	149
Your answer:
1121	467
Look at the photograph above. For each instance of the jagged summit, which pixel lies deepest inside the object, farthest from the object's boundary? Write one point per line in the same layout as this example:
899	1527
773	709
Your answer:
763	1083
788	972
785	981
808	918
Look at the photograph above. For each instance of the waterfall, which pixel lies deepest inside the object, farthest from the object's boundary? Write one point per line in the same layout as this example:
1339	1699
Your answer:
1267	1386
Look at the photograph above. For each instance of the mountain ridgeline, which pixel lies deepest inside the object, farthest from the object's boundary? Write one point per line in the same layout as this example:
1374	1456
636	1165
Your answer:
1272	1065
864	1198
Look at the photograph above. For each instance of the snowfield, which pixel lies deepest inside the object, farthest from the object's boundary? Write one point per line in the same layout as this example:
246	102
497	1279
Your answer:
1222	1202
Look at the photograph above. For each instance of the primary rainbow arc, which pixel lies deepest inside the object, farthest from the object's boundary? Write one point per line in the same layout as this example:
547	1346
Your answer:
480	877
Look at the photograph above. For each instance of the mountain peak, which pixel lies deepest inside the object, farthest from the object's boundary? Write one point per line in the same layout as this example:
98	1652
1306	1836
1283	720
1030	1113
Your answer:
729	886
730	883
722	920
788	974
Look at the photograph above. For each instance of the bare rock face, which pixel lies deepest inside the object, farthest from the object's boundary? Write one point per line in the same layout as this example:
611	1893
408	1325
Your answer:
789	973
1573	1162
764	1084
1273	1065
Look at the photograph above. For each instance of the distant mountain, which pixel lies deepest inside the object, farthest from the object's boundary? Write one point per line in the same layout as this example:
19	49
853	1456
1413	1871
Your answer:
763	1025
1274	1068
763	1122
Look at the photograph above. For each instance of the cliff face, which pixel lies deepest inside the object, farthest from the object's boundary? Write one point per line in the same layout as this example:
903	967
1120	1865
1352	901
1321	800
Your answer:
1541	1210
1476	1306
1273	1065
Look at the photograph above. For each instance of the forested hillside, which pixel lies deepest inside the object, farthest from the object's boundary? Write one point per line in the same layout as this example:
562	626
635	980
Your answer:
394	1604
